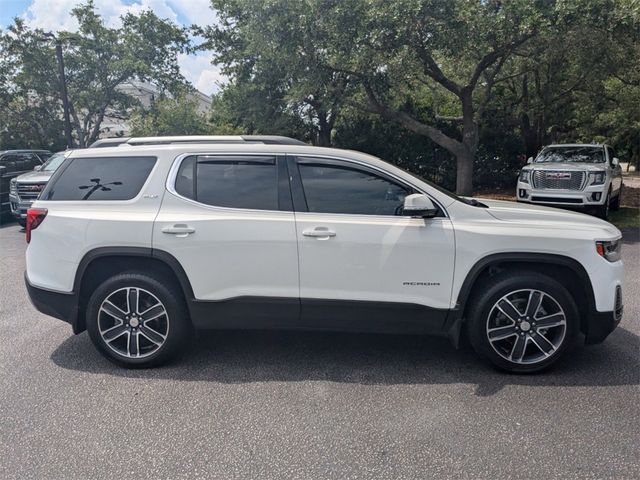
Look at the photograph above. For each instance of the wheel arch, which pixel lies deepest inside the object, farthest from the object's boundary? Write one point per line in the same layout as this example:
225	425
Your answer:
571	273
101	263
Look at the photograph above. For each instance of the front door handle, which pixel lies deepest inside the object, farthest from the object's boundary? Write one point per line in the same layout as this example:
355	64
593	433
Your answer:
321	233
179	230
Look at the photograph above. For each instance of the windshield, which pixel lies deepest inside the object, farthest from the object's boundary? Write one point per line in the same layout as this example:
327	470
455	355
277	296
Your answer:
54	162
571	155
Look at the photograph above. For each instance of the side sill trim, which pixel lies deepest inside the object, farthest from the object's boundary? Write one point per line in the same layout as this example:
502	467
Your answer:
318	314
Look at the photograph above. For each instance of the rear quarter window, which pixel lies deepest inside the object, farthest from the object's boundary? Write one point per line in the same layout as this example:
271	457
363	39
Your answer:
99	178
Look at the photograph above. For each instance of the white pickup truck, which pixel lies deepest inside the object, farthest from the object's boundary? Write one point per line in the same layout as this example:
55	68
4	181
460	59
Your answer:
585	176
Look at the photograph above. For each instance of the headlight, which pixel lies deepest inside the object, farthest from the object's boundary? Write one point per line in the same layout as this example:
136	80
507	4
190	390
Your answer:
597	178
609	250
13	188
524	176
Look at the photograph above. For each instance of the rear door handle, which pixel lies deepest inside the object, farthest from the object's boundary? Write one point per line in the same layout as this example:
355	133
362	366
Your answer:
179	230
321	233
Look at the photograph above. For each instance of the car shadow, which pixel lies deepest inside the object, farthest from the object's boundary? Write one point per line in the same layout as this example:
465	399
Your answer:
630	236
264	356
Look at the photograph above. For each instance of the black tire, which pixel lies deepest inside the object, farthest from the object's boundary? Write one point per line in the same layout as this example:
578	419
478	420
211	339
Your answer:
171	330
602	211
615	205
482	311
22	222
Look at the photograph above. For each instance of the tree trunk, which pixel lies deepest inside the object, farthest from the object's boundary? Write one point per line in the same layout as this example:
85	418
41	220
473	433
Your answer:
465	157
464	151
324	130
464	174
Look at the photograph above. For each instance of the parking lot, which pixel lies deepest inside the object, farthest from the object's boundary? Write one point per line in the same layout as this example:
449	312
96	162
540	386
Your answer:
309	405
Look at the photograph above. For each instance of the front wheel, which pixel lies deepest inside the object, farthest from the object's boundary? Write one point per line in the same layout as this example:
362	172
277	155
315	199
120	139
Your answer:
137	320
615	205
603	210
522	322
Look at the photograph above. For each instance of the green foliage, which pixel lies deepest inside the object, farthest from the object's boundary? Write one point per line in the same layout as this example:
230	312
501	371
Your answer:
275	51
98	60
170	116
427	80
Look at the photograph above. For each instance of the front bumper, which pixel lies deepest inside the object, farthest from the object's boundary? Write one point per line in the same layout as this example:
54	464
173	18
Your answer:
19	207
63	306
598	325
591	196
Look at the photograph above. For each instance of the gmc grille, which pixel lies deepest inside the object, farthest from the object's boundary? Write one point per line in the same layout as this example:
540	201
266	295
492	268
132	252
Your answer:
29	191
558	180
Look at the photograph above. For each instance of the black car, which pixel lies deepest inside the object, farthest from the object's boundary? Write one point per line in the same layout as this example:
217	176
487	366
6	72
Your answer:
12	164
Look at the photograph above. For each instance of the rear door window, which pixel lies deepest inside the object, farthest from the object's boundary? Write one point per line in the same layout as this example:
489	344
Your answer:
247	182
99	178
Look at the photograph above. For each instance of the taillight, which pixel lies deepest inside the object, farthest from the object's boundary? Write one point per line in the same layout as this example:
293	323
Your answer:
35	217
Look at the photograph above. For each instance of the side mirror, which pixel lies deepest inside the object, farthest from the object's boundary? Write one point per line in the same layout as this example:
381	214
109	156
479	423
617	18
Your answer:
419	205
529	160
615	162
37	168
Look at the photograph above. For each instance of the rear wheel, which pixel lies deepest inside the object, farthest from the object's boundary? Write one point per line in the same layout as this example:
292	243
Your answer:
522	322
22	222
137	321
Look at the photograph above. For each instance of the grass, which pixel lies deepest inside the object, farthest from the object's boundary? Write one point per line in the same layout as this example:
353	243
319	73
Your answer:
626	217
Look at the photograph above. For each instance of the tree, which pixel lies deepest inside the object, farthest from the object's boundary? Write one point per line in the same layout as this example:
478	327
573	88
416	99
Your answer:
263	56
244	107
98	61
391	49
169	116
562	73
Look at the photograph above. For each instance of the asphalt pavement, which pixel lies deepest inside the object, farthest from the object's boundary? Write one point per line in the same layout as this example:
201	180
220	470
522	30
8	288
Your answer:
282	405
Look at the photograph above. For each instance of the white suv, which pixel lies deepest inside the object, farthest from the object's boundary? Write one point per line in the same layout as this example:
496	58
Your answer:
141	243
585	176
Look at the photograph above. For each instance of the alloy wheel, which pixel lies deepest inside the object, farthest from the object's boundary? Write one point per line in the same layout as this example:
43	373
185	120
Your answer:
133	322
526	326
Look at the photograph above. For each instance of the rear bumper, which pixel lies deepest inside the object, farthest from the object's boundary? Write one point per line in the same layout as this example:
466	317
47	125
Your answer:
63	306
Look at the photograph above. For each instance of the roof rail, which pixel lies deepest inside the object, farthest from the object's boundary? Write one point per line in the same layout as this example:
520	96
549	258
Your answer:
210	139
109	142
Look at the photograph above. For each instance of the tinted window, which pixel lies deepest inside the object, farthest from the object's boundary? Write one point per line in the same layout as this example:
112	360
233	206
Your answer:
32	160
235	181
104	178
19	162
333	189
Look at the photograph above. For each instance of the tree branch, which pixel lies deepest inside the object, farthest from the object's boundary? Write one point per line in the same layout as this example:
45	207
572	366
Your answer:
431	69
410	123
491	57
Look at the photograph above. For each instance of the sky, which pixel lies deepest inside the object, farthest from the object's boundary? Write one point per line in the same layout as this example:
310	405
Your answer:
53	15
